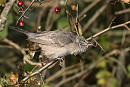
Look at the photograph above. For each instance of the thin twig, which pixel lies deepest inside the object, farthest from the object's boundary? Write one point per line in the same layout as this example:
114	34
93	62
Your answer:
63	67
37	4
112	22
126	27
25	11
81	78
40	70
60	72
99	45
122	11
6	46
20	50
107	29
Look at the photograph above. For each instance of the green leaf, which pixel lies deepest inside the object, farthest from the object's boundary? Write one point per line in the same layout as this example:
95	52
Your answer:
128	67
113	82
28	67
4	33
31	53
101	81
103	76
102	64
80	29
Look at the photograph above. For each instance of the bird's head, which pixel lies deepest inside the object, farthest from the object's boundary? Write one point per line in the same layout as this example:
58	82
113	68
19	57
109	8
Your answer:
82	41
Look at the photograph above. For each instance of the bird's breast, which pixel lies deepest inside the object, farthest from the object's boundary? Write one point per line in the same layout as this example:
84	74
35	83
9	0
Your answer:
54	51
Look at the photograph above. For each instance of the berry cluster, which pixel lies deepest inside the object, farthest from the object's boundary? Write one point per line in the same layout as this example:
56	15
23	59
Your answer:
20	5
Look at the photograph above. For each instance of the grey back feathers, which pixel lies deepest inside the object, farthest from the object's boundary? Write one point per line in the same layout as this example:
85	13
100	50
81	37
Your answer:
57	37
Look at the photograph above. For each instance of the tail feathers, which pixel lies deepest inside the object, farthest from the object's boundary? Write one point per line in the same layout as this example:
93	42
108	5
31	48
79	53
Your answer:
19	30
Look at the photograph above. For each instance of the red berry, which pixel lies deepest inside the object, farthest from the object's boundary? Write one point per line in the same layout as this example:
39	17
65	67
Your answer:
56	9
21	23
20	3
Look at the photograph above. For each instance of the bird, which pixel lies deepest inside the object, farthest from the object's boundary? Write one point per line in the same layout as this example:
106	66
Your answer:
58	43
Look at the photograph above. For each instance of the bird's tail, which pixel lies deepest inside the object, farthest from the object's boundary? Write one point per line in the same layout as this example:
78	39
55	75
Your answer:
19	30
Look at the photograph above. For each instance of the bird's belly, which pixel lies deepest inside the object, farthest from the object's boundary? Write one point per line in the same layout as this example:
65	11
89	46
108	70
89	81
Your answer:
54	52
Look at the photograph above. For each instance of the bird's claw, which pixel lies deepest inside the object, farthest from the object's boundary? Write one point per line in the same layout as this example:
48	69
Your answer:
61	61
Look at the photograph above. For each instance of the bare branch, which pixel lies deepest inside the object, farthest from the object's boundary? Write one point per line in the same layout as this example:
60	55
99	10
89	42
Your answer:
107	29
4	14
127	27
40	70
14	45
99	45
122	11
60	72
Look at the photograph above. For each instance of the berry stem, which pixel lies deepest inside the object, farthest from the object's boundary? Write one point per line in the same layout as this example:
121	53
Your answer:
53	3
25	11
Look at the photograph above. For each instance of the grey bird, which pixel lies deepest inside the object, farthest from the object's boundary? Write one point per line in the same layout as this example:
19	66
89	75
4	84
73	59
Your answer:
57	44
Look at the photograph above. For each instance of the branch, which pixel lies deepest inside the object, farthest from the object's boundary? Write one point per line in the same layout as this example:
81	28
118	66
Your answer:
60	72
122	11
4	14
40	70
37	4
14	45
107	29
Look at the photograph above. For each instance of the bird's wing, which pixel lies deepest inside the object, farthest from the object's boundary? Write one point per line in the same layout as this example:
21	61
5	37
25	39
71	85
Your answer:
57	38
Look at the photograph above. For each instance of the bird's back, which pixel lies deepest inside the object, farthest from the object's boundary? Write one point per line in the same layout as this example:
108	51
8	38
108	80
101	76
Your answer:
56	38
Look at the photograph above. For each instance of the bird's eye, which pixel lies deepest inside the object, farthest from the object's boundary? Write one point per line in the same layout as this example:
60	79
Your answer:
83	41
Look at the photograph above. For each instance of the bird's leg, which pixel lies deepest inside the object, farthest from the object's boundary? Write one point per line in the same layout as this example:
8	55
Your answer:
61	60
80	58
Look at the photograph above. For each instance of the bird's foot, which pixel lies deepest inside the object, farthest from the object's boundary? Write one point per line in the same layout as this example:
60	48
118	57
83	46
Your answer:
61	61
